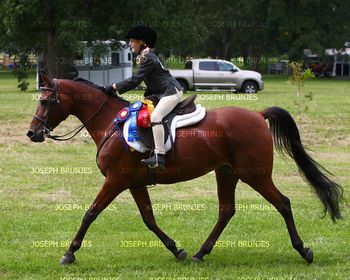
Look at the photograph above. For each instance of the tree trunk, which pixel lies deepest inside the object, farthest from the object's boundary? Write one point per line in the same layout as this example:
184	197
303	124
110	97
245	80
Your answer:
256	56
226	45
49	46
49	54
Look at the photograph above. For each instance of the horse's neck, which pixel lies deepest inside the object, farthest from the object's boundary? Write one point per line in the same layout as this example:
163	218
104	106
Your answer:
105	108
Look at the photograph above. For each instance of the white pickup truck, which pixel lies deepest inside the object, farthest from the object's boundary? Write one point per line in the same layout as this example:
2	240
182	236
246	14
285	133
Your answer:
216	74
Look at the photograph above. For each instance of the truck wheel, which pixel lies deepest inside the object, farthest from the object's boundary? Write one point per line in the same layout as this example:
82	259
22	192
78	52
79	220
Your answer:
183	86
249	87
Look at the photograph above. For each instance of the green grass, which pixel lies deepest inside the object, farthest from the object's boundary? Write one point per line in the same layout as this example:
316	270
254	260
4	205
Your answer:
42	206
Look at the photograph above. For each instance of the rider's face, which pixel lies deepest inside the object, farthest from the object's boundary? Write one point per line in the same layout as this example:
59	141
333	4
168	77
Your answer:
135	45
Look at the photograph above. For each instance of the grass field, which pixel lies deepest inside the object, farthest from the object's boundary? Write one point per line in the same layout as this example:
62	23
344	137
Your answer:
45	189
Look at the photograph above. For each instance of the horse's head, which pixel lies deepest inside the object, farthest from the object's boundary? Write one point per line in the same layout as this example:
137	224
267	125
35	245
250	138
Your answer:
52	109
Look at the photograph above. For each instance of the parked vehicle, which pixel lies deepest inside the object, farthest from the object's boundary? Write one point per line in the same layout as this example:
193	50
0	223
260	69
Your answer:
215	74
100	62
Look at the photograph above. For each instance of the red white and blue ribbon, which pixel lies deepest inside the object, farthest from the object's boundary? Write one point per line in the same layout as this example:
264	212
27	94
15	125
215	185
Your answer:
133	130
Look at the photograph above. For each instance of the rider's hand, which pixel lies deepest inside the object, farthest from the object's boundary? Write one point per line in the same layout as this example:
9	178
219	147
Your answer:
112	88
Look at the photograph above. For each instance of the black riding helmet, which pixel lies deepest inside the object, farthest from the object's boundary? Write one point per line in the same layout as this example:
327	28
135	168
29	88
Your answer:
144	33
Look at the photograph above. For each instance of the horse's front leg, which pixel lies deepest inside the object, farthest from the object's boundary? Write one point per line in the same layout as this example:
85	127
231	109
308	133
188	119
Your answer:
108	192
143	202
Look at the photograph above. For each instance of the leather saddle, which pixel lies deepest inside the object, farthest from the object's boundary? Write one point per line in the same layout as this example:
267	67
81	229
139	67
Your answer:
184	107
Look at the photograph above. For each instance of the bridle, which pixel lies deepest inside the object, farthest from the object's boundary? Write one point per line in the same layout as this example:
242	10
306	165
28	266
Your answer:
53	100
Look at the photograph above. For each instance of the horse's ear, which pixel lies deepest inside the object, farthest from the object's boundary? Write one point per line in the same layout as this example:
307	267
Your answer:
47	81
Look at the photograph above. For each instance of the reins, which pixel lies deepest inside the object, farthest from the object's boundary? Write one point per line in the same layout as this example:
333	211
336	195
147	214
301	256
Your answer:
77	129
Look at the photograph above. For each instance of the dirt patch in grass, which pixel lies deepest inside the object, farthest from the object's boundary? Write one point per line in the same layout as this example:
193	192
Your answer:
54	196
15	132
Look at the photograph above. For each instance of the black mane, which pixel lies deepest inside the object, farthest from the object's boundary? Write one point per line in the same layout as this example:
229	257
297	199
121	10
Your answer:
103	89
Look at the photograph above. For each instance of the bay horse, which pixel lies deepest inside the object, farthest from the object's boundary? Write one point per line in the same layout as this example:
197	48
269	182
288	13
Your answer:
318	69
242	150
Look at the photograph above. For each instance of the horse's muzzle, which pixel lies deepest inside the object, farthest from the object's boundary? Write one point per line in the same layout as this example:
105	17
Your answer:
36	135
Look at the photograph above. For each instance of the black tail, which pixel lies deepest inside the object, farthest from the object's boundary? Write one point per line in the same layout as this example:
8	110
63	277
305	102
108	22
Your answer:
287	139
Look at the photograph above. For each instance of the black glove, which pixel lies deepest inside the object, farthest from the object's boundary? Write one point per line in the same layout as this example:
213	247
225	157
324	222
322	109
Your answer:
110	90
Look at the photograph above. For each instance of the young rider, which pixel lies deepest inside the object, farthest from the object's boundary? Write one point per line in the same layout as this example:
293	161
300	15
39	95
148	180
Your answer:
159	82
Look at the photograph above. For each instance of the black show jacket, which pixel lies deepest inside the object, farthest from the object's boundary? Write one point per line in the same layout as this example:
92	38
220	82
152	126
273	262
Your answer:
158	80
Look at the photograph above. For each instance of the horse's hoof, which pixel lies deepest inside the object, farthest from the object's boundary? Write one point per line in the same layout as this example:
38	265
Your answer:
181	255
67	259
196	259
309	255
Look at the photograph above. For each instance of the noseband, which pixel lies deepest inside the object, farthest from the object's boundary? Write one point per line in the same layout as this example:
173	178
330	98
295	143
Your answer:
53	100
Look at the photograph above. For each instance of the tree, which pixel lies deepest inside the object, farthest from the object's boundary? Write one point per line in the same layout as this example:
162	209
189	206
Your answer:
314	24
239	28
34	26
55	28
298	78
248	28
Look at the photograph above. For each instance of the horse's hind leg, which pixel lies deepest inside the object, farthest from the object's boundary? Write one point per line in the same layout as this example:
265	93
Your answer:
226	186
143	202
282	204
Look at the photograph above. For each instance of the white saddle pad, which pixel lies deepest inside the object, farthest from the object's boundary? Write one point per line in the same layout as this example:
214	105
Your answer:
178	121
